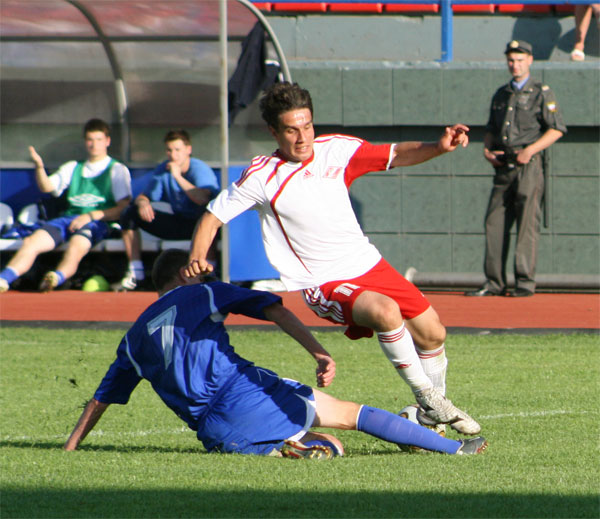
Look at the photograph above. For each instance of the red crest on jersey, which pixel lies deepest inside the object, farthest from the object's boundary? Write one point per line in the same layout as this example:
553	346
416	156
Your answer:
333	172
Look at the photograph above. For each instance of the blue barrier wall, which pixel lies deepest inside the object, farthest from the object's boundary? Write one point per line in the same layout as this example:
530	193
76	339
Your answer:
247	258
247	262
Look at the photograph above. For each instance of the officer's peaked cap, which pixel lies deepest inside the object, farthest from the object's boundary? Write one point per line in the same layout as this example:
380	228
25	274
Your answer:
518	46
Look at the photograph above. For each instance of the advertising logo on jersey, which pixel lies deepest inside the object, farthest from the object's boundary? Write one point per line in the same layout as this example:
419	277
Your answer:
86	200
333	172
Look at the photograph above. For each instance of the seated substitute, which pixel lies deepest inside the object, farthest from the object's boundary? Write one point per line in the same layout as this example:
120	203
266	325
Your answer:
187	184
180	345
97	192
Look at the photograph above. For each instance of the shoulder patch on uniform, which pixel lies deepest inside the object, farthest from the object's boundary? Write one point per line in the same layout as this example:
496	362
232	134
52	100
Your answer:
551	107
545	87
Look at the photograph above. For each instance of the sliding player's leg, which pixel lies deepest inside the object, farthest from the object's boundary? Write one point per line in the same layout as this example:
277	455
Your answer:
387	426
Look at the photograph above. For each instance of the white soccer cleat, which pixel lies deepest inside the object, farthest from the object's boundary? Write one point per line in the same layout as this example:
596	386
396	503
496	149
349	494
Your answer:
50	282
435	408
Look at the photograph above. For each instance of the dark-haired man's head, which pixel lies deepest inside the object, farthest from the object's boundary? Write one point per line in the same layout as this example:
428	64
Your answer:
281	98
96	125
178	148
97	139
287	109
167	270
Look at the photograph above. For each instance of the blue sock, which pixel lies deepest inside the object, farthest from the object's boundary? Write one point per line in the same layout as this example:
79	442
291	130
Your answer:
393	428
9	275
61	277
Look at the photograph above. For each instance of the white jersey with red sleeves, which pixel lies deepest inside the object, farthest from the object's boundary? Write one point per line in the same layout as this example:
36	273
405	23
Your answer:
309	228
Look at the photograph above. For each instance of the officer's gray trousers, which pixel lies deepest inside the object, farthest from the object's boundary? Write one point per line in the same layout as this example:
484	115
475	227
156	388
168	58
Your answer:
516	196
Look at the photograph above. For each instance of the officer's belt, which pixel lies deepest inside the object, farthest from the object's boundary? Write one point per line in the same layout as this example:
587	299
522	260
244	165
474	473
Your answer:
514	149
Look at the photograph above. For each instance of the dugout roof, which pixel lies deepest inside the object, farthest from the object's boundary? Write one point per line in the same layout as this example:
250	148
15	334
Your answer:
161	60
142	62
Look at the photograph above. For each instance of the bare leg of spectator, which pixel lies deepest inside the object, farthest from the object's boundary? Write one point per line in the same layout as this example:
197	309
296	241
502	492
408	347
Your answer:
583	18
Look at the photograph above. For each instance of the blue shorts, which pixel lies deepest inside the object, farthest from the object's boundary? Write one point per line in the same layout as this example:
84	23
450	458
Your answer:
58	229
257	413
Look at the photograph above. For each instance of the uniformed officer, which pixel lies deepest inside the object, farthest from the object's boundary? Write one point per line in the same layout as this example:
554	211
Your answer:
524	120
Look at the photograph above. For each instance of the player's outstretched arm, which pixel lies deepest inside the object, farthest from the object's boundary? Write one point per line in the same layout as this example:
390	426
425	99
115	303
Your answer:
88	419
291	325
410	153
204	234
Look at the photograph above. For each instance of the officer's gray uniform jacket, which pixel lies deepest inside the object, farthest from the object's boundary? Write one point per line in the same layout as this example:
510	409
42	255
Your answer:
520	117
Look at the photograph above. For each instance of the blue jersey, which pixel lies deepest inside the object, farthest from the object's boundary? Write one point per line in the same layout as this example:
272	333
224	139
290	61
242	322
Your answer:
180	345
163	187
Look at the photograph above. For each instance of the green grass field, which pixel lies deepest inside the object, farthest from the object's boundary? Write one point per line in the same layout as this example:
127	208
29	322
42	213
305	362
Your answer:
536	397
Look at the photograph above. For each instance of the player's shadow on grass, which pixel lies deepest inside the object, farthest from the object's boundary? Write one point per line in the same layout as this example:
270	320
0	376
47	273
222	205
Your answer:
379	449
21	444
201	502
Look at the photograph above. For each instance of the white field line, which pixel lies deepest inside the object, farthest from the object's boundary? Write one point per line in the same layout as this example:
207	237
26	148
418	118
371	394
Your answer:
529	415
139	434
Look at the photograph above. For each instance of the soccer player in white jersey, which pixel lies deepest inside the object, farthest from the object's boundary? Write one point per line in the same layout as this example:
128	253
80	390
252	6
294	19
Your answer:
312	237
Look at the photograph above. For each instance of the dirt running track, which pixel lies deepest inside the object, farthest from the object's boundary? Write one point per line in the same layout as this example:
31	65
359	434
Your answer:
549	312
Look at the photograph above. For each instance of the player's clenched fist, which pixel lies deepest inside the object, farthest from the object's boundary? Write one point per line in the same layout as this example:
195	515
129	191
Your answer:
454	136
325	371
197	267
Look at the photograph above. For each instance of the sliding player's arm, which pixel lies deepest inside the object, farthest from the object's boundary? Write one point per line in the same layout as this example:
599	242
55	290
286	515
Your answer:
88	419
291	325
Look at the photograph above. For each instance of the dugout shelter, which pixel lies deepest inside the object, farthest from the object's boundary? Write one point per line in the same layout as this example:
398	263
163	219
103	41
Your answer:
145	67
373	69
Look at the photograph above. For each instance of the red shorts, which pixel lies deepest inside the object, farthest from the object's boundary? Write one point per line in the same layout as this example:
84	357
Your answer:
334	300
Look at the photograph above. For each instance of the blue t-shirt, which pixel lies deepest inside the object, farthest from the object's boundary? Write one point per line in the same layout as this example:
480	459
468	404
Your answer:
164	188
180	345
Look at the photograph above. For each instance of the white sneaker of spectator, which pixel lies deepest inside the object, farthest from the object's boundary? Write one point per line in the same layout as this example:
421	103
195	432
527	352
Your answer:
129	282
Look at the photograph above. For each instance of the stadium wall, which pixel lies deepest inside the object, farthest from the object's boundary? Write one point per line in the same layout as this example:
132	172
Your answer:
431	216
428	216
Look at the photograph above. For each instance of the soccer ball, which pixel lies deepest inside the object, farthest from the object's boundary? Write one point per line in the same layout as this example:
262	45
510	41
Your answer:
410	413
96	283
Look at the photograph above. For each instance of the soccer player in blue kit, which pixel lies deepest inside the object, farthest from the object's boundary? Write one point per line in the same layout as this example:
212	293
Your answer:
180	345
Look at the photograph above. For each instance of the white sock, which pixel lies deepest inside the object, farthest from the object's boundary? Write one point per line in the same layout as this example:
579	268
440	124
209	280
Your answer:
400	350
434	364
137	267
